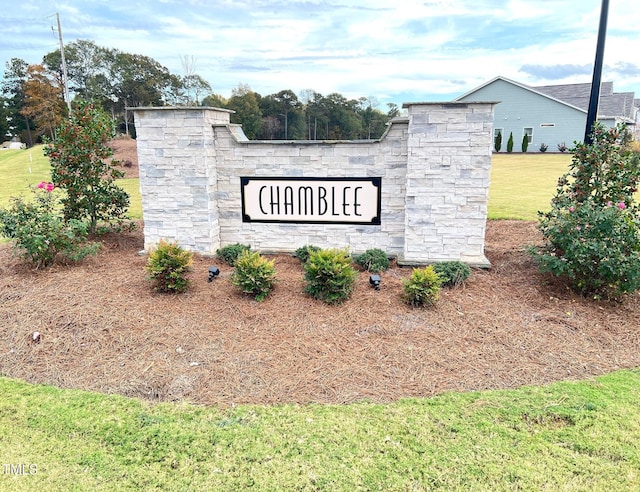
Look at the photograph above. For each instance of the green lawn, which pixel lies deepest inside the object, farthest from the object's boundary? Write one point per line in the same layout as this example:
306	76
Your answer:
20	169
523	184
567	436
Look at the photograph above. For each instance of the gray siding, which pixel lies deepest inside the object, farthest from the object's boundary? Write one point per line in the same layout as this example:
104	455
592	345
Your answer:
520	108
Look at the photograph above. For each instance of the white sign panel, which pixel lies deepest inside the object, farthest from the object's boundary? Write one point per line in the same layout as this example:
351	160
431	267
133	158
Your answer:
311	200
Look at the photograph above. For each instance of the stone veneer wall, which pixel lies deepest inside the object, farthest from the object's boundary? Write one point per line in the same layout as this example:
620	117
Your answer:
434	165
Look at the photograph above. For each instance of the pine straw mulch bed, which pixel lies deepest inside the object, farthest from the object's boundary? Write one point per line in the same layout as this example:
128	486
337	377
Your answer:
103	329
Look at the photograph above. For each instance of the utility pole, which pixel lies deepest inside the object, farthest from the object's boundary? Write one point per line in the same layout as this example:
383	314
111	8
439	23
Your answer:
597	74
65	83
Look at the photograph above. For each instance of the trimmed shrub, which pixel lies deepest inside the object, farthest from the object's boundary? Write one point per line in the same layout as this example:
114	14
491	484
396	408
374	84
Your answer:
40	234
231	252
510	143
303	252
452	273
254	274
497	142
592	232
168	265
373	260
422	288
329	275
525	143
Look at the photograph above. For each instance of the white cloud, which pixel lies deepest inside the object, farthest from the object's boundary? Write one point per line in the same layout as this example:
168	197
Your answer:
415	49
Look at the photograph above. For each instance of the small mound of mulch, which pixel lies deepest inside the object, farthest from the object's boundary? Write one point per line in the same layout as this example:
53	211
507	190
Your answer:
102	328
125	150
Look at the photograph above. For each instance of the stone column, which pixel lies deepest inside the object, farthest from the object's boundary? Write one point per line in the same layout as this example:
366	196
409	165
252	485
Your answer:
178	179
448	168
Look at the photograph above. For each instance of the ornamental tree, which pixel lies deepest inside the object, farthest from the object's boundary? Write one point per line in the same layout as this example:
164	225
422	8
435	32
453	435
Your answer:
82	165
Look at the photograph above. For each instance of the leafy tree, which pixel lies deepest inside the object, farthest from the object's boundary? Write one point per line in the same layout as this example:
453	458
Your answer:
317	116
247	110
81	164
373	120
87	70
44	103
283	116
15	76
116	80
193	86
510	143
393	111
214	101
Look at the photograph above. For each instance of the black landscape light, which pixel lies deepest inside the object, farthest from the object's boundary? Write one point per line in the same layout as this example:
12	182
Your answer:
214	271
375	280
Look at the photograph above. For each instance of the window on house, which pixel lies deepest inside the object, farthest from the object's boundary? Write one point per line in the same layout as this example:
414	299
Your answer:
529	133
496	132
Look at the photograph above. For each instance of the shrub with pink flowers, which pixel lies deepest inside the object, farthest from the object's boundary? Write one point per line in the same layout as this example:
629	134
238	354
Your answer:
592	232
38	231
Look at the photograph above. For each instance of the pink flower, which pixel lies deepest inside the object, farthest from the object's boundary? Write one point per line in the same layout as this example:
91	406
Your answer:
572	208
621	206
43	185
609	204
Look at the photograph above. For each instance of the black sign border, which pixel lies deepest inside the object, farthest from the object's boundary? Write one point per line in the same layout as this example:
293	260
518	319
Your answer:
375	181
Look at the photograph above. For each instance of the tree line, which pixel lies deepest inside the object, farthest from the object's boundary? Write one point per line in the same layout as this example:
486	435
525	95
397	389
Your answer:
32	102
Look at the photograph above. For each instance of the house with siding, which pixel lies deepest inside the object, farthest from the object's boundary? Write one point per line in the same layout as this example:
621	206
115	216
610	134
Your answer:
553	114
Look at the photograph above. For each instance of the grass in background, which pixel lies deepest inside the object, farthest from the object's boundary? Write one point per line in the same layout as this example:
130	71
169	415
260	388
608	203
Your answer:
567	436
20	169
523	184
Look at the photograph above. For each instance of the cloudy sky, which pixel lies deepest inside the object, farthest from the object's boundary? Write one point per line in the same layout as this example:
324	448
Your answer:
392	50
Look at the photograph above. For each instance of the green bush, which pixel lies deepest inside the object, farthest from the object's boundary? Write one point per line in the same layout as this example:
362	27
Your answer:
231	252
497	142
40	234
592	233
303	252
452	273
168	266
525	143
373	260
329	275
423	287
254	274
510	143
